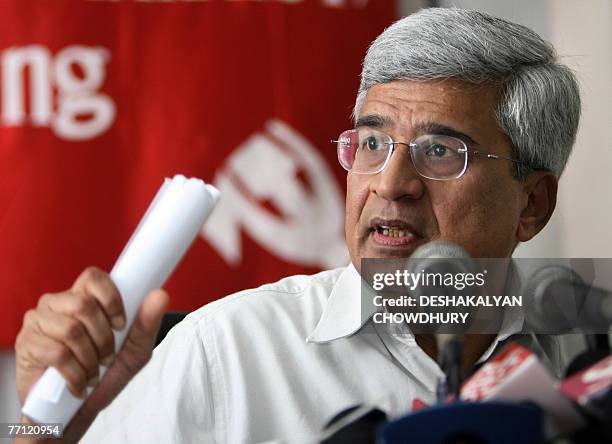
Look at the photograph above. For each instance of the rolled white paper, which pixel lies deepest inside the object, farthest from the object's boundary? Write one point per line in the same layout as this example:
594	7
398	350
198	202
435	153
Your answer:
169	226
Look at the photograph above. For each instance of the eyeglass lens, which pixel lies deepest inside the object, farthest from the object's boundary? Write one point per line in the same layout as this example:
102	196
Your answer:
367	151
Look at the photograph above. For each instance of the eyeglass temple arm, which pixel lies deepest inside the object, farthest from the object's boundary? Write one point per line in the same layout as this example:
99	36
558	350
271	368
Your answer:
497	156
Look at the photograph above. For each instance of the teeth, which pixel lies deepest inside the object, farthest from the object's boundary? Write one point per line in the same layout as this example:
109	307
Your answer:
393	232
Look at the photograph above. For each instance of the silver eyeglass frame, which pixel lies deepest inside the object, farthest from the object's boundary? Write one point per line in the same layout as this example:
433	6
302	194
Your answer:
412	145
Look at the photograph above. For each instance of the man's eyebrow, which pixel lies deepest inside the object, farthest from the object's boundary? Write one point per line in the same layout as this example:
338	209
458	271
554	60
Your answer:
443	130
379	121
373	121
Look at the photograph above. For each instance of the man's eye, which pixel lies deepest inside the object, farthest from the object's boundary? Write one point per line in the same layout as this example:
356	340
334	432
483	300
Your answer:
438	150
372	143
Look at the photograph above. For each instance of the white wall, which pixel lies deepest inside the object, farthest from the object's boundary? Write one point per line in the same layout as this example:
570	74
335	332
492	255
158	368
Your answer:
582	32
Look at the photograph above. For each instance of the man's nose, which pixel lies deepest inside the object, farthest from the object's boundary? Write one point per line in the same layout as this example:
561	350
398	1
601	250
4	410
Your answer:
399	179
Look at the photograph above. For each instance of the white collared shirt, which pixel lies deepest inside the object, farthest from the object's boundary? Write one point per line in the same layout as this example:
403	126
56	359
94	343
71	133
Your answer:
272	363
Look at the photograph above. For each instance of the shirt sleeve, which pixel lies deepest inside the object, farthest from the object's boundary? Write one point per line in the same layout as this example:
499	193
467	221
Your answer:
169	400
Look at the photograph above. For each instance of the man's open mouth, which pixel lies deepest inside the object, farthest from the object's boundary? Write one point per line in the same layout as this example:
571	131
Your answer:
393	232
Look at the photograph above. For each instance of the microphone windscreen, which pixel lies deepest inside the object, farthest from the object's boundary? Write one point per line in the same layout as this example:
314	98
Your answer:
441	257
440	250
552	305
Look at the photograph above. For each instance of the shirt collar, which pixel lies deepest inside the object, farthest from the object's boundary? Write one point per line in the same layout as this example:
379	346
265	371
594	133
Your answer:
346	311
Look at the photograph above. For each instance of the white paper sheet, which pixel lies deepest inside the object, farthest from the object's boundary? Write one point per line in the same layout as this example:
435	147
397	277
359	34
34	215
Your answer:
164	234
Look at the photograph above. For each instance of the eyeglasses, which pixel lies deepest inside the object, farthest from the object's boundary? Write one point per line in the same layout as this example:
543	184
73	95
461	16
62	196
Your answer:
367	151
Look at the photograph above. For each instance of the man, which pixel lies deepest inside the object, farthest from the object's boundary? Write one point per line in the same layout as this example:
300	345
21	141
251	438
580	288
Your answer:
466	122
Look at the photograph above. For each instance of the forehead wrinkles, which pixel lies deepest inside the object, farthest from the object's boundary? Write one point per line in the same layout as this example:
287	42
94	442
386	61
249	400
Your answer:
404	105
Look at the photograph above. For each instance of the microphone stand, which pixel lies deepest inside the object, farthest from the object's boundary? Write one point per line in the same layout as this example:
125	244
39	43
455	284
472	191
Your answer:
598	347
450	348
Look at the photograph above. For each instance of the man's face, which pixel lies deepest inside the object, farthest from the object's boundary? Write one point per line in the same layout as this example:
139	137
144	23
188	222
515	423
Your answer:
479	211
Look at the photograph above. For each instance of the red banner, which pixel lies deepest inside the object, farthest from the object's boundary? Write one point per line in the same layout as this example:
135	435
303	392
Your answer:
101	100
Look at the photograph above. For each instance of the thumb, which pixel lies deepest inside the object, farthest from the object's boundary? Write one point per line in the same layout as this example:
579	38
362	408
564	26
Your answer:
134	354
147	320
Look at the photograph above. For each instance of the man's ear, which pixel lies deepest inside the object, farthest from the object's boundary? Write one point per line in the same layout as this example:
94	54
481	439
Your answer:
539	201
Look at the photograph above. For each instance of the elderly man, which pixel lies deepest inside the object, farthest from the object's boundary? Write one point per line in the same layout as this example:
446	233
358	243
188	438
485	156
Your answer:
463	125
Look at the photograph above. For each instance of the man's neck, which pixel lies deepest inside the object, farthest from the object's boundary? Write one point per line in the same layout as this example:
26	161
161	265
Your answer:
473	348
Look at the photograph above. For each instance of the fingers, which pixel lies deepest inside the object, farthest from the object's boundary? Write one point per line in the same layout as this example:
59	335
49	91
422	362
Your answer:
71	331
36	352
98	284
89	313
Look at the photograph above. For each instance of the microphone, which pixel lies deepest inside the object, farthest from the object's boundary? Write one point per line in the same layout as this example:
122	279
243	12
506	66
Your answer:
450	348
516	374
562	301
591	390
585	360
444	257
441	257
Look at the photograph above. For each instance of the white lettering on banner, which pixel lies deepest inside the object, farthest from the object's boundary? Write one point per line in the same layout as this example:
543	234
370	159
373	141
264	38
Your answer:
77	95
310	231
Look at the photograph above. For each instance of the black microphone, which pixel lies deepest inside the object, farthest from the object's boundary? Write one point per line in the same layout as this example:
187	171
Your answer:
562	301
587	358
591	390
444	257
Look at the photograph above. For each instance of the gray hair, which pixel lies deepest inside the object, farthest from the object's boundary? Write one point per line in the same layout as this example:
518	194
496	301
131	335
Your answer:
539	106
